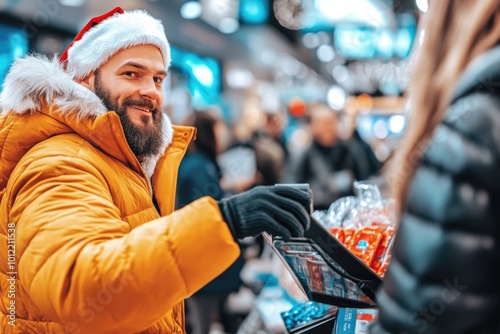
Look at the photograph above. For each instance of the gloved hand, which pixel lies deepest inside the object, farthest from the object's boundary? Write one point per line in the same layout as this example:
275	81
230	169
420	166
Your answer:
280	211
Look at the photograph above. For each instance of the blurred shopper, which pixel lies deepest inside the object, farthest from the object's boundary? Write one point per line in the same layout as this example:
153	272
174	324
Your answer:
365	155
330	165
444	276
275	126
88	168
199	175
270	149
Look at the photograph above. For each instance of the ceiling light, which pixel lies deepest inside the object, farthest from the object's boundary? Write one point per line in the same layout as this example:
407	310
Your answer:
228	25
310	40
325	53
191	10
336	97
380	129
397	123
340	73
239	78
72	3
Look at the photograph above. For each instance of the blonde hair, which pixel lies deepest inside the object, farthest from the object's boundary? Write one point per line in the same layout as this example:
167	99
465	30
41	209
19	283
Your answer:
455	33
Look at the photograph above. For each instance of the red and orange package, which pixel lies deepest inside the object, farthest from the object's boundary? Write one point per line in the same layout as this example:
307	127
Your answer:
371	244
364	223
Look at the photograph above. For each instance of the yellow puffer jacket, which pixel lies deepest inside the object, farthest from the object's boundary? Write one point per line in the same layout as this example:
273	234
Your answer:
80	236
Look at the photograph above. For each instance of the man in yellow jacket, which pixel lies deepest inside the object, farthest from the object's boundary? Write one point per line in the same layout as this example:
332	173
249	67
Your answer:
89	239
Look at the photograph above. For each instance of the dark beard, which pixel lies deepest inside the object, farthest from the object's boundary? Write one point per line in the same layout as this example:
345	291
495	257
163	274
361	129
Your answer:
143	141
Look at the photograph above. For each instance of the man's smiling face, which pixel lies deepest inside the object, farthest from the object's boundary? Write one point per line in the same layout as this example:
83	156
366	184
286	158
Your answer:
130	83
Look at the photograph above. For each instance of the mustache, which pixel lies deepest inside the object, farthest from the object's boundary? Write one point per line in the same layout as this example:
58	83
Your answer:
141	103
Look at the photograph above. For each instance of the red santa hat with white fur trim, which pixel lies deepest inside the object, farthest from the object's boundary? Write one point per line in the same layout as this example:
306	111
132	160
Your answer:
105	35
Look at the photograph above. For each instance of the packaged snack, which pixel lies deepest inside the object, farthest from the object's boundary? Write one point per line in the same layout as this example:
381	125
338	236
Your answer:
383	253
337	232
365	242
364	223
348	235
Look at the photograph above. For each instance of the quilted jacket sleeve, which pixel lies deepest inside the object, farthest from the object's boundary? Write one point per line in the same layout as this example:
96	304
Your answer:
83	266
443	273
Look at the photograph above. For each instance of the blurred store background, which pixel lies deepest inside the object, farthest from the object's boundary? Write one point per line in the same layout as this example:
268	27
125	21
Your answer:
246	57
250	60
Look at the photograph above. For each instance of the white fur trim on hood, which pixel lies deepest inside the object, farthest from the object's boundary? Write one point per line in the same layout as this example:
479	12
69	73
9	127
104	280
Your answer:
115	33
34	79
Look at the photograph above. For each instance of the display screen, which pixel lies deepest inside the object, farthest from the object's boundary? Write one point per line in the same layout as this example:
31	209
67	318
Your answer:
318	273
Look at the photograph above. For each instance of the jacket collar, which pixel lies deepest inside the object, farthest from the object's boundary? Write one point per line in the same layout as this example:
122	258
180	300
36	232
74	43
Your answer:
36	84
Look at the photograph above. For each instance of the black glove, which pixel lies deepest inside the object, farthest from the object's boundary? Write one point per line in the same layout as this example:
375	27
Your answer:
282	211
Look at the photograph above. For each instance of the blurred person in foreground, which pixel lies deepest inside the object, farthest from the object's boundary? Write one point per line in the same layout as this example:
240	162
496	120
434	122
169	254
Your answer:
330	165
199	175
88	172
443	277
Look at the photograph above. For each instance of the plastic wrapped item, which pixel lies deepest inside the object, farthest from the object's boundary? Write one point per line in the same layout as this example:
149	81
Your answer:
368	194
334	218
339	210
364	223
365	243
384	251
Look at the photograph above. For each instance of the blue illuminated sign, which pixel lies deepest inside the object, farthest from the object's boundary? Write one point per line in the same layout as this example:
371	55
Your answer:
254	11
359	42
204	76
13	44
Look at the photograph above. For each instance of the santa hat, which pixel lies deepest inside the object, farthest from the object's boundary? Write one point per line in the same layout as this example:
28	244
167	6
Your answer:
109	33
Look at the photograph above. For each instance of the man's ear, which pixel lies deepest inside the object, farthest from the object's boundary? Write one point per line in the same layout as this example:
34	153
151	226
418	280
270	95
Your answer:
88	81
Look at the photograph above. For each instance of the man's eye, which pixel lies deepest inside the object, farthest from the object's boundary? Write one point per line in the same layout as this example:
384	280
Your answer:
130	74
158	79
